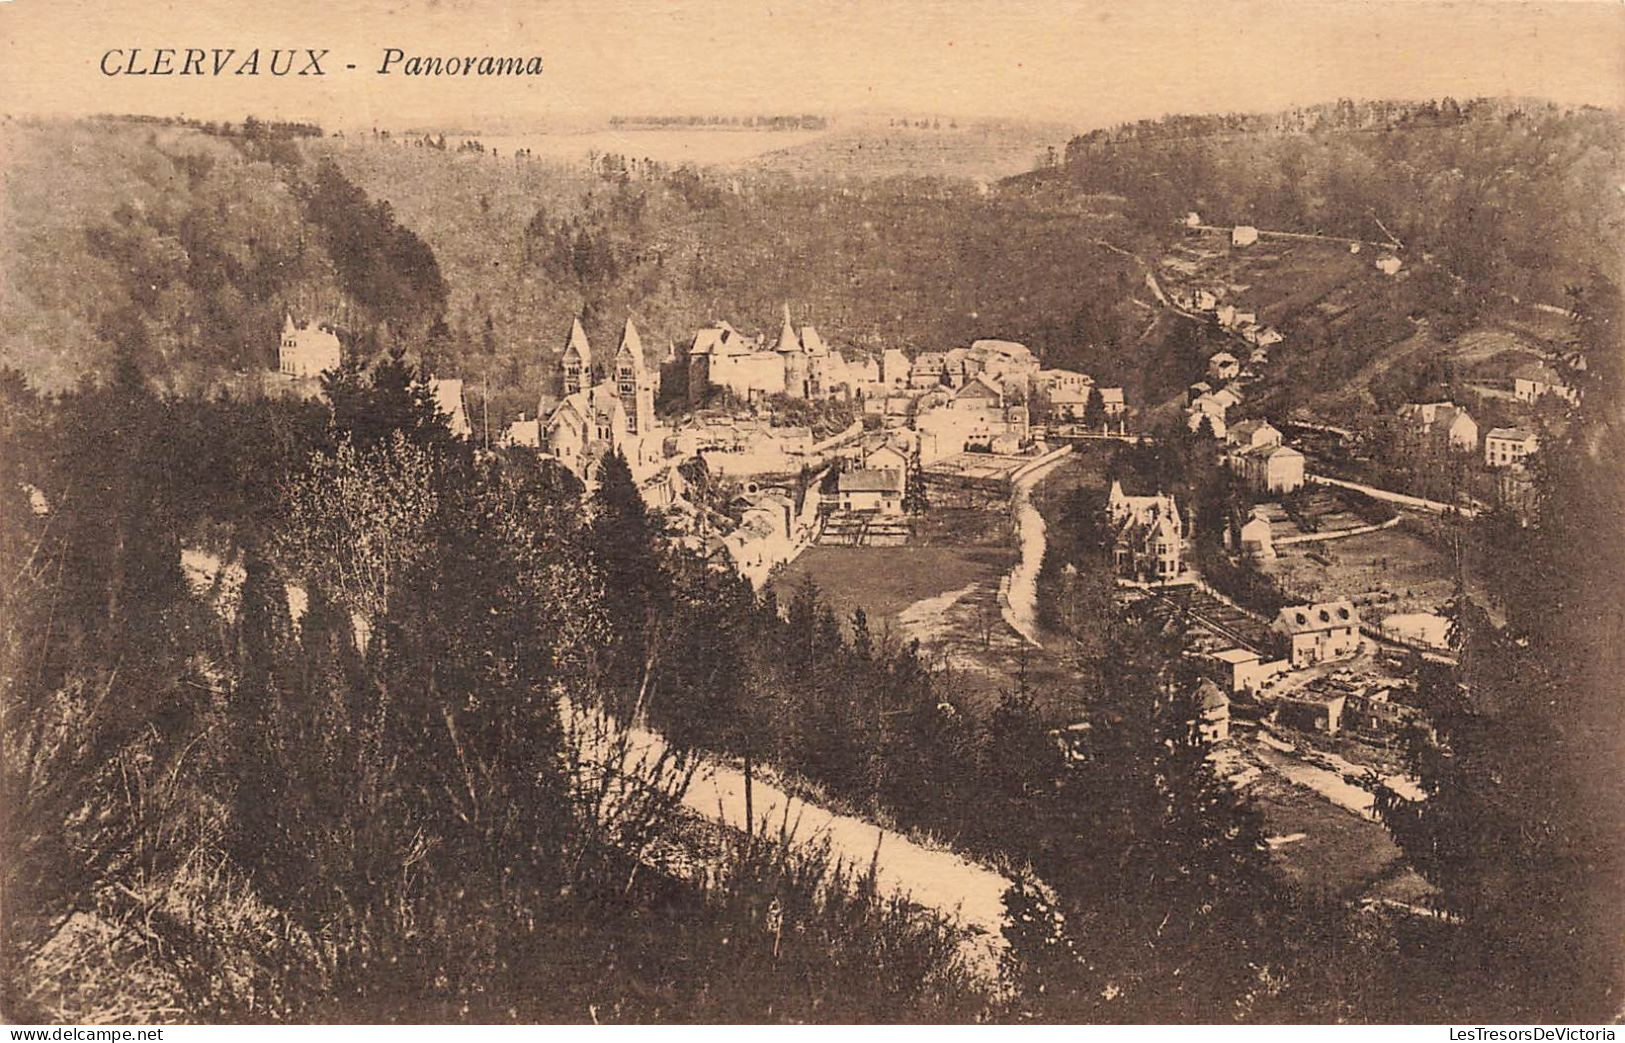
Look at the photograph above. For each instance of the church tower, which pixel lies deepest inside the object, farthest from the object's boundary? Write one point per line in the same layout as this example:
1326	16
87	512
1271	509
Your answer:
576	365
634	385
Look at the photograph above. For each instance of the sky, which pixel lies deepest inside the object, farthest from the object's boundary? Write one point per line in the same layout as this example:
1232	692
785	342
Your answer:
1083	62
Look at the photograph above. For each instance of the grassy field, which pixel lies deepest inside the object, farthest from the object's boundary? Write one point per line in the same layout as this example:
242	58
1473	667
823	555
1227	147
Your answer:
1389	561
1340	854
885	581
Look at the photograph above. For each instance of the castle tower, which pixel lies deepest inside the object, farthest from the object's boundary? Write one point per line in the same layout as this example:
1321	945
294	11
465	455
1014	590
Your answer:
576	365
634	385
795	359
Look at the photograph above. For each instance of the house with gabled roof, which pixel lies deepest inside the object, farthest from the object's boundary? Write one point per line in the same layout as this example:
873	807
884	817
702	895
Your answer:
1532	382
1320	632
1253	434
1148	535
1271	468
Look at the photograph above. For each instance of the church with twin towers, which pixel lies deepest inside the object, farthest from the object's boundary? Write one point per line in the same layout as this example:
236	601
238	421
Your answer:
602	411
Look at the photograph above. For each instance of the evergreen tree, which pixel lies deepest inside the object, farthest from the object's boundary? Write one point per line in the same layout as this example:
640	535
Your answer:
625	551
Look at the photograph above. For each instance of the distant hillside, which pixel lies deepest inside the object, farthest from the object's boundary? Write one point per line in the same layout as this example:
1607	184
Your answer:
1496	209
1513	197
979	150
901	262
183	246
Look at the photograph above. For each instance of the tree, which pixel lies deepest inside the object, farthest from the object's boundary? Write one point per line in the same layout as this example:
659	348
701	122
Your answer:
1159	869
622	539
1523	827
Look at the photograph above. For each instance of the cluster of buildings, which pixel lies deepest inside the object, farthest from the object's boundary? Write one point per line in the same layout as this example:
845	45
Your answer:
1444	427
1258	453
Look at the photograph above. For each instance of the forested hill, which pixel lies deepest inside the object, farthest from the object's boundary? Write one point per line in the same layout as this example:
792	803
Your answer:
186	244
1511	196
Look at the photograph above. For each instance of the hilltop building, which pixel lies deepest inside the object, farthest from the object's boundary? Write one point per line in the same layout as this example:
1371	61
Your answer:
307	350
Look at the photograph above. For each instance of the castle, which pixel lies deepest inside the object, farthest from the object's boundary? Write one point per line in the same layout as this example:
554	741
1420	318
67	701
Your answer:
799	365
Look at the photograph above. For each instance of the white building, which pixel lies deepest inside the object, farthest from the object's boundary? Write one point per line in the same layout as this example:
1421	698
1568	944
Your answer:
1505	446
307	350
448	398
1319	633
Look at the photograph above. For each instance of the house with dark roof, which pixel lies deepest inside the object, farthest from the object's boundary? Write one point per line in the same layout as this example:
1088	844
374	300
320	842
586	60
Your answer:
1531	382
872	490
1319	633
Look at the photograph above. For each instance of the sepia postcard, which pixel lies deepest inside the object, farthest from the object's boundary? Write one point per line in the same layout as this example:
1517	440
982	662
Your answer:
940	512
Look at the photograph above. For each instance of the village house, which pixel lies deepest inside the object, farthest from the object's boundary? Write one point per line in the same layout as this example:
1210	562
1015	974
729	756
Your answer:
1532	382
1373	715
1243	235
894	368
1067	404
1111	400
870	490
886	457
1227	398
1207	409
1311	711
524	432
1505	446
1319	633
1440	425
979	393
1253	434
1276	469
1148	535
1240	669
1212	724
928	370
1256	536
307	350
1011	365
1223	366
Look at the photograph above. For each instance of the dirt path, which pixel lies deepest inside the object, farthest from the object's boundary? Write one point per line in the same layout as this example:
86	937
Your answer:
1020	599
935	879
